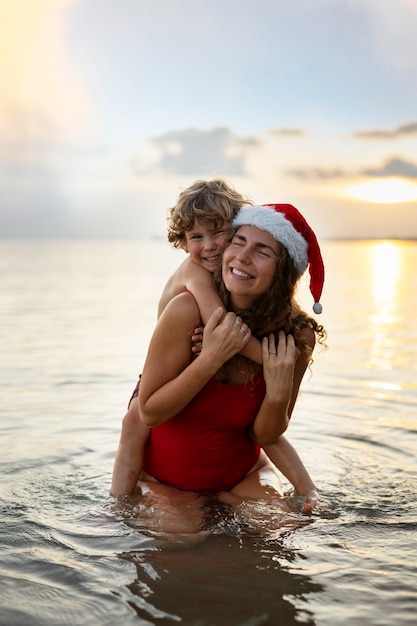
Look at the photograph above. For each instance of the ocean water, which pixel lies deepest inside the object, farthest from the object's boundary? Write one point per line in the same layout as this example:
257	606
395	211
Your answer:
75	320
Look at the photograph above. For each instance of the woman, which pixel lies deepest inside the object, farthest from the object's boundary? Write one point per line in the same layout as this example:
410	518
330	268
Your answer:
210	415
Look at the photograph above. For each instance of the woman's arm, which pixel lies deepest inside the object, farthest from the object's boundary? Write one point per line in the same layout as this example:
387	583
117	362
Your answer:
170	380
284	368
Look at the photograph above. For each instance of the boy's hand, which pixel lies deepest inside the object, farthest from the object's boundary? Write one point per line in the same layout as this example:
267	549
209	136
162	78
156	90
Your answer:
197	339
311	502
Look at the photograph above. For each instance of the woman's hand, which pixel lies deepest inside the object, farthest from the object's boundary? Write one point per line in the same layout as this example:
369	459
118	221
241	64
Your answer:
279	359
223	337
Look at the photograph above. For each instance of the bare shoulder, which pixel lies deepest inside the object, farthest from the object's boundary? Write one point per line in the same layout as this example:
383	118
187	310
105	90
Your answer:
191	272
182	309
186	269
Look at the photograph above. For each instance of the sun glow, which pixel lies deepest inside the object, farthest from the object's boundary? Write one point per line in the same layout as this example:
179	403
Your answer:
386	264
40	92
385	191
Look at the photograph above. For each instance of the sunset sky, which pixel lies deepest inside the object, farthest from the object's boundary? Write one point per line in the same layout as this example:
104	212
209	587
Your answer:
108	108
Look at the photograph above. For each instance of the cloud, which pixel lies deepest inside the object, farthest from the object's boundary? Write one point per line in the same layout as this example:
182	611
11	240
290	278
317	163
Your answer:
317	173
40	212
399	132
31	200
198	152
287	132
394	167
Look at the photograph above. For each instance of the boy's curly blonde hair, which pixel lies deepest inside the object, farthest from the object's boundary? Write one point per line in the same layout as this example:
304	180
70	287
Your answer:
213	201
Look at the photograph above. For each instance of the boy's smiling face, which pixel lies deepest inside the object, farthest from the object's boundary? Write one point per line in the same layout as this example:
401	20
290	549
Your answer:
205	243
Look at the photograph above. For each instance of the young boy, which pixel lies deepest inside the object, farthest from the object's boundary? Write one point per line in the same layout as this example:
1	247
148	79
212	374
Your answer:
199	223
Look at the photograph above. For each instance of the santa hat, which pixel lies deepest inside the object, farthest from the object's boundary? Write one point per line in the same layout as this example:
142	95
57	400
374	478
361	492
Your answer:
286	224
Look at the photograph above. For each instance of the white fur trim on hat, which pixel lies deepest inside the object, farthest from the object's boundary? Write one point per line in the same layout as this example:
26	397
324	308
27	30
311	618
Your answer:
276	224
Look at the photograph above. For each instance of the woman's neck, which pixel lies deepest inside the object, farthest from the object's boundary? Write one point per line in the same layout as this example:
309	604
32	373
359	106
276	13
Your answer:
240	303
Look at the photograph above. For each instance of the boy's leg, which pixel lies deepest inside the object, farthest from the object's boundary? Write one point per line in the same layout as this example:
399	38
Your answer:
129	457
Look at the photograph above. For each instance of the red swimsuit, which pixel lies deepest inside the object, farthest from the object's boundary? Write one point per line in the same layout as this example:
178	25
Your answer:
206	446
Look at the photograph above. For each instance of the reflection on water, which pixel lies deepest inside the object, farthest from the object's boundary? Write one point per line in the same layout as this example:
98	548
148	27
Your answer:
224	580
385	272
387	269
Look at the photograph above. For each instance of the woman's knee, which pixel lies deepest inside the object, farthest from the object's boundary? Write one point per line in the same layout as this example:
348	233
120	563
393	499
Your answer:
264	483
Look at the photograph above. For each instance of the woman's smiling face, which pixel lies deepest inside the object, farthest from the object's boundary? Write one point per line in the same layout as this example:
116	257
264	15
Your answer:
249	264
